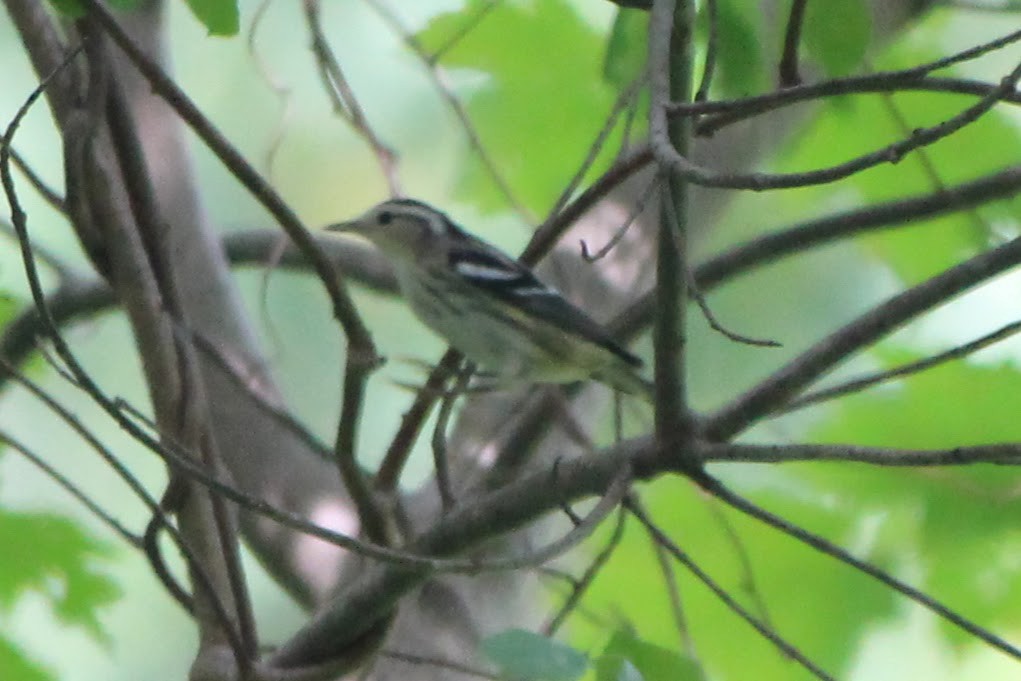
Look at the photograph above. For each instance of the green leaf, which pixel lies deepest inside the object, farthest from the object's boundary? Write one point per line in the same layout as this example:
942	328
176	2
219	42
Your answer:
74	8
541	104
9	306
526	656
219	16
15	665
740	64
626	47
69	8
961	520
992	143
52	555
627	658
837	34
783	583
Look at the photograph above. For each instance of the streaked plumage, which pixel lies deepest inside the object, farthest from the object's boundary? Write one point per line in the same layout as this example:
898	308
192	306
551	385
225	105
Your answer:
489	306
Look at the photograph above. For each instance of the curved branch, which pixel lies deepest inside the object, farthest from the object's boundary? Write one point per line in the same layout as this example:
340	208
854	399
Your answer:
687	169
871	84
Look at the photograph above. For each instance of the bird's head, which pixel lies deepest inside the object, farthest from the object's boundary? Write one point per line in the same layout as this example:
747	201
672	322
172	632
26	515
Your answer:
402	228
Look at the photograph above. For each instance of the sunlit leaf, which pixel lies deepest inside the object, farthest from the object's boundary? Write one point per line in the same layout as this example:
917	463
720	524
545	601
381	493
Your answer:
15	665
219	16
740	66
993	143
837	34
626	47
628	658
542	103
963	516
74	8
786	577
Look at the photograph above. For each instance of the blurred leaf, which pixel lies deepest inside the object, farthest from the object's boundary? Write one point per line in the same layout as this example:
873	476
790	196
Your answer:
965	517
9	306
69	8
14	664
50	554
993	143
219	16
626	48
837	34
957	403
74	8
628	672
542	104
741	67
524	656
796	584
629	658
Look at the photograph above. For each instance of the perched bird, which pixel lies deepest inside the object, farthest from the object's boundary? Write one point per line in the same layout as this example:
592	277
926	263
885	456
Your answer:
489	306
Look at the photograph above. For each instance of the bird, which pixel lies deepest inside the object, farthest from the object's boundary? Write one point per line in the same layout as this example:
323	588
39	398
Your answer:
489	306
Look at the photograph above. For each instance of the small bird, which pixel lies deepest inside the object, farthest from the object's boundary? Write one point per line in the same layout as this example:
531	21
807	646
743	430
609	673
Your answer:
488	306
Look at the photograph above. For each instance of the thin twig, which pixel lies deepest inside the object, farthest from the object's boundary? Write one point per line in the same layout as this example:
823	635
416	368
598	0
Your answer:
743	559
792	40
581	585
882	81
674	594
715	324
371	512
345	103
788	649
473	21
50	195
247	379
439	80
867	84
822	545
637	209
439	440
397	454
73	489
711	46
784	384
548	233
283	92
687	169
622	103
928	165
358	337
870	380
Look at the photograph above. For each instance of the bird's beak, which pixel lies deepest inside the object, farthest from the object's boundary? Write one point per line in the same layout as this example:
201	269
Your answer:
350	227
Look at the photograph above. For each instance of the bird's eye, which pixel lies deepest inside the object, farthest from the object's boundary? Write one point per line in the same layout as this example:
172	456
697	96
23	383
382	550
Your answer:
385	218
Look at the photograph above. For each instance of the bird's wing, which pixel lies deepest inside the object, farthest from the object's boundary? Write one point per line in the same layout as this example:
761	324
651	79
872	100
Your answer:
497	275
